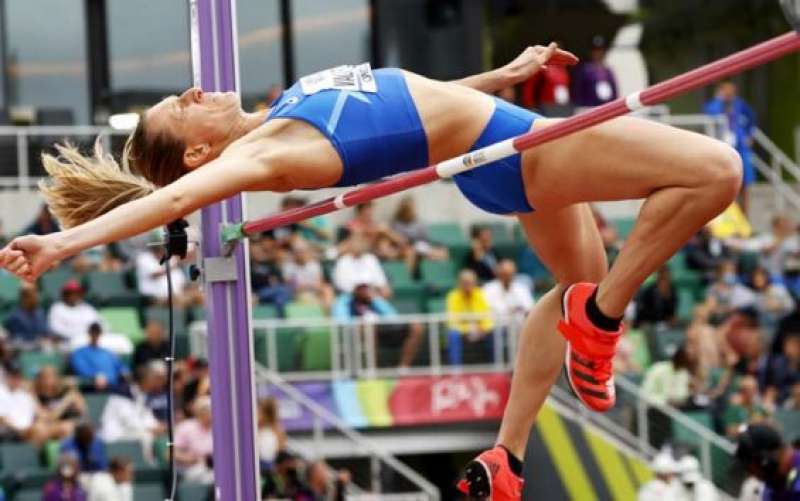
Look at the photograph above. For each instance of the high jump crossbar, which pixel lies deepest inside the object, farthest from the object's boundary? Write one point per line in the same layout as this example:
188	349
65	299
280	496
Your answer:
736	63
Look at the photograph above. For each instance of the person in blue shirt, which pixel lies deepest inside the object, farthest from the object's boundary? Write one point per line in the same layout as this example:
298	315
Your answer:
741	122
27	323
100	369
87	448
365	304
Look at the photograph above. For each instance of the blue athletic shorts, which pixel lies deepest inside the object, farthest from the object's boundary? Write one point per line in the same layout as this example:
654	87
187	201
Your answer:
497	187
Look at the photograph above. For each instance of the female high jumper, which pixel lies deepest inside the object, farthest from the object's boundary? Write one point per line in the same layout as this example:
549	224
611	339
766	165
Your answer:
352	125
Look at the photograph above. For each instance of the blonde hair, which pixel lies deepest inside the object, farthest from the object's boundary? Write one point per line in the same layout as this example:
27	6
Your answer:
81	188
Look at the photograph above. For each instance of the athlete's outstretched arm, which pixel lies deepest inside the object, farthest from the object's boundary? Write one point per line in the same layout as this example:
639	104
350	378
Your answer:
31	255
524	66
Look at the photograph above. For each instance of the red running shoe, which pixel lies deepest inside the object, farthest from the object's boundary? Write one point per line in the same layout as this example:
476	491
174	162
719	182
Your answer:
590	351
489	477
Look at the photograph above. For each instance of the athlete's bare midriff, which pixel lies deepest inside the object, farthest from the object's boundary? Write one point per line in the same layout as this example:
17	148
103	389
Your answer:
453	117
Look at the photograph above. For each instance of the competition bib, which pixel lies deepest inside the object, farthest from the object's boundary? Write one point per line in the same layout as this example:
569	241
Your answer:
347	77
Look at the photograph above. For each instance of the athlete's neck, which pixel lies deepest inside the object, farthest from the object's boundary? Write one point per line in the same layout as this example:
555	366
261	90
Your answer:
249	121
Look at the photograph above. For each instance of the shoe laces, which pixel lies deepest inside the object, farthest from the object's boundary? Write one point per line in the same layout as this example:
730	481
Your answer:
603	369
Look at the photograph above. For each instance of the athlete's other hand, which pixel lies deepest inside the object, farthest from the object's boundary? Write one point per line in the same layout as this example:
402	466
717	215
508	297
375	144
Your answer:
30	256
535	58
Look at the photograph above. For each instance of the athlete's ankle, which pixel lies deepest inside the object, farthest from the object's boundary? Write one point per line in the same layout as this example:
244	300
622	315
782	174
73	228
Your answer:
598	317
514	462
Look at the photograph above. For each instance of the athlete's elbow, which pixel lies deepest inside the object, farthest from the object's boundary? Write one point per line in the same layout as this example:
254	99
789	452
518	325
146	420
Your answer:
179	204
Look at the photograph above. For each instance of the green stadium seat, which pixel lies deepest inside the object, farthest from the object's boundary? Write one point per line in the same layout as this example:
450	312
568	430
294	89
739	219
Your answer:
288	341
641	353
51	452
624	226
399	276
194	492
148	491
161	315
260	346
108	288
304	310
438	276
264	311
19	458
316	349
123	320
53	281
683	435
9	288
129	449
96	402
503	240
27	495
789	421
665	341
452	236
32	361
436	305
408	305
686	304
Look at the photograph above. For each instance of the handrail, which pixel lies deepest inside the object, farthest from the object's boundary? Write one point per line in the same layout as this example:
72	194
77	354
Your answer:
775	152
342	427
673	413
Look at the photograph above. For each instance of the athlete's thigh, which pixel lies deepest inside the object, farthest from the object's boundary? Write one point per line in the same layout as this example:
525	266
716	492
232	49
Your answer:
625	158
568	243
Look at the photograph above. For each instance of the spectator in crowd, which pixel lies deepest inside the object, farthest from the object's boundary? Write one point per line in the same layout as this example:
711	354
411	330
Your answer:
65	486
704	253
304	274
743	342
127	415
154	346
285	482
198	384
365	303
325	483
657	302
99	369
21	417
663	487
271	436
482	258
151	276
782	372
193	444
467	299
266	277
43	224
547	90
792	402
703	343
744	407
612	243
27	323
59	402
114	485
507	296
741	122
358	266
726	294
594	82
87	447
779	251
406	223
693	486
772	300
153	383
71	317
316	230
668	381
763	453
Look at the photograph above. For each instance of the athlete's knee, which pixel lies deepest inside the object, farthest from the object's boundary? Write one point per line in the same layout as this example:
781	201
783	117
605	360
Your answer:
722	169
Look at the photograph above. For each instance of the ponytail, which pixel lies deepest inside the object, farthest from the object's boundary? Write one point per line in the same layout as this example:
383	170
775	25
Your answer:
81	188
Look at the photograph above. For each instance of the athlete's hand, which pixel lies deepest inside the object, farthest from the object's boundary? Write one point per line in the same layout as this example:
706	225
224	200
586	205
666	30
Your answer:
31	255
535	58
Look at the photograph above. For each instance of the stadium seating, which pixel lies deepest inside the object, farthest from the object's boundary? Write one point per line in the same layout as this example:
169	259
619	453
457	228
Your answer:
452	236
96	402
32	361
161	315
123	320
789	421
128	449
683	435
109	289
148	491
438	276
9	288
194	492
52	282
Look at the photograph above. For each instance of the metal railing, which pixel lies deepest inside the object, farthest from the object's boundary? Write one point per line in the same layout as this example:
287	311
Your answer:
638	422
362	446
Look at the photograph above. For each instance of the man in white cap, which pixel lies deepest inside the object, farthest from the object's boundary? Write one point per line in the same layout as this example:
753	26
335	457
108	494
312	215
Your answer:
693	487
663	487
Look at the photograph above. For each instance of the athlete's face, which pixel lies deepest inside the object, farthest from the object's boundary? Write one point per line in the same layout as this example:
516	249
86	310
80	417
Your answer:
196	117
